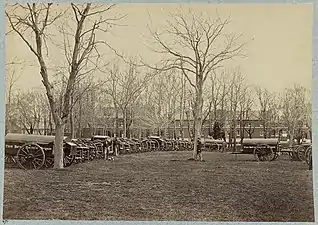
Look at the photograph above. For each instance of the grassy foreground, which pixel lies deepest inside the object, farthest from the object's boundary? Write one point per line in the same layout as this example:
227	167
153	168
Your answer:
164	186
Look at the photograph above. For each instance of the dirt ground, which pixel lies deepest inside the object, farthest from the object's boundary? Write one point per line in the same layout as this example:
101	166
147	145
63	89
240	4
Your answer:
164	186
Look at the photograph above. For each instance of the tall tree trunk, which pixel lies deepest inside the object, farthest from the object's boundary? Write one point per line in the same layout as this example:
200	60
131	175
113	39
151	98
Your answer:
189	126
80	114
291	135
242	136
31	129
116	133
50	123
45	125
234	133
198	115
8	112
174	128
72	125
58	145
182	107
124	122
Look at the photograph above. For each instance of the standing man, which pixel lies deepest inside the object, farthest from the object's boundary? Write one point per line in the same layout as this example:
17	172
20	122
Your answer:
199	149
115	146
106	145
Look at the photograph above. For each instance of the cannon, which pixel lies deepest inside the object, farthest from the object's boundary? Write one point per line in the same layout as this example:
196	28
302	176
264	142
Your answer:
125	145
101	144
213	144
262	149
36	151
156	143
82	152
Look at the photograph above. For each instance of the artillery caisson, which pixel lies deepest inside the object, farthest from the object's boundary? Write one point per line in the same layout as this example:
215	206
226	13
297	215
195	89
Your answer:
36	151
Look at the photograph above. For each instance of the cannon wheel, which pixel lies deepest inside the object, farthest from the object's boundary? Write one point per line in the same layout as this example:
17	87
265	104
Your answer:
49	161
264	153
30	156
308	155
276	155
92	154
301	150
68	160
144	146
10	159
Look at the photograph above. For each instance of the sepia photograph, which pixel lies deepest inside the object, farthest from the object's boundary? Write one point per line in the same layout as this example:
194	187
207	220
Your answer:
158	112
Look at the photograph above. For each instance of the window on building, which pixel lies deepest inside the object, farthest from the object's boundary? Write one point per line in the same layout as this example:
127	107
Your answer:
261	133
238	133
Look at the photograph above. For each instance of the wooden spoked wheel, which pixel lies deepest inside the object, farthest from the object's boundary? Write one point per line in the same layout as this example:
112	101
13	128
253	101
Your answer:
68	159
144	146
10	159
264	153
92	154
276	155
49	161
300	151
308	155
30	156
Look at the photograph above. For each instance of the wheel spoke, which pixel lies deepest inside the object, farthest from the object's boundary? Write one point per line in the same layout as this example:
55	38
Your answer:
27	149
38	155
34	166
24	152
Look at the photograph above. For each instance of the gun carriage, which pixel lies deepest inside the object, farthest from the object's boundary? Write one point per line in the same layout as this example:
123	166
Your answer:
101	143
36	151
83	150
269	149
262	149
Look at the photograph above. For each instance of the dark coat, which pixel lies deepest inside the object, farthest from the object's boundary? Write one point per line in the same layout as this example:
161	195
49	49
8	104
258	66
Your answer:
199	146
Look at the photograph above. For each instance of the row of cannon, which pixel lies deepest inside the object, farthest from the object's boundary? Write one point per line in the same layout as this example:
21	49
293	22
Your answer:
36	151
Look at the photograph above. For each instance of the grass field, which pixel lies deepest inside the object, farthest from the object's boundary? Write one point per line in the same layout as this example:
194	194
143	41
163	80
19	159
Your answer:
164	186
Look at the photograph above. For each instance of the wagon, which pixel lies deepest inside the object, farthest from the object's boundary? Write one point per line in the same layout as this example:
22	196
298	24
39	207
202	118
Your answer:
262	149
36	151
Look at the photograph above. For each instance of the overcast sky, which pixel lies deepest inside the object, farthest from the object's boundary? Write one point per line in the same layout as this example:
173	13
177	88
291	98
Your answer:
279	55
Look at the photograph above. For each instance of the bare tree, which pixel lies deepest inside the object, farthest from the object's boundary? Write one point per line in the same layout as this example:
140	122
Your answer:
182	105
131	85
264	97
249	129
237	91
160	108
245	109
308	111
196	46
217	90
268	109
11	79
36	19
293	114
30	111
